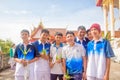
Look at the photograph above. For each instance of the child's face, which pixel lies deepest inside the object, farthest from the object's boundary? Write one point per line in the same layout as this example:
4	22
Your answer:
70	38
81	33
24	36
58	38
44	36
89	35
95	32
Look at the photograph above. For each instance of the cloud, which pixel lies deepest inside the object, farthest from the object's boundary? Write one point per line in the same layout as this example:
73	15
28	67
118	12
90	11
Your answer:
15	12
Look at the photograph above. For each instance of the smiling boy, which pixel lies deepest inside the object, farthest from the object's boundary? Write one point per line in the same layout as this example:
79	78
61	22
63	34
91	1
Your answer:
99	53
25	56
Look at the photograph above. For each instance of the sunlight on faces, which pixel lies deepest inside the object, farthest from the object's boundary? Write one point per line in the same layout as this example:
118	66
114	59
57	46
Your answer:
81	34
70	38
95	32
25	36
44	37
89	35
58	38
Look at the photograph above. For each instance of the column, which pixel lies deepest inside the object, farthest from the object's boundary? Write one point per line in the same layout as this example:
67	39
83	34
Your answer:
105	14
112	20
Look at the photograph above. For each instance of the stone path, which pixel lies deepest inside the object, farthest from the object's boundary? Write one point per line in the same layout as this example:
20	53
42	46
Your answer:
114	73
7	75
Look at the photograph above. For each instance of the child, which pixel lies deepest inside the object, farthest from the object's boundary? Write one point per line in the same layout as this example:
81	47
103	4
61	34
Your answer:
89	36
25	56
99	53
74	58
42	68
56	55
11	60
81	39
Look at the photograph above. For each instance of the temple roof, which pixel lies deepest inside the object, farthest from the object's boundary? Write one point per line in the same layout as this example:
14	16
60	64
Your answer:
106	2
40	27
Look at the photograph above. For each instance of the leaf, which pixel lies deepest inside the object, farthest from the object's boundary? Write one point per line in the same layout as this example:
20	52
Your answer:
67	75
43	51
24	52
58	56
107	37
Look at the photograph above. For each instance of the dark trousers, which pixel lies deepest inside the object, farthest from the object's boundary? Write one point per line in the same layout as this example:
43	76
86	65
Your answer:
55	76
76	76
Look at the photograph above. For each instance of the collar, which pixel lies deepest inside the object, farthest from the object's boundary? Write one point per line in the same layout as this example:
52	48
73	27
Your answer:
100	40
27	44
77	39
73	45
61	44
40	42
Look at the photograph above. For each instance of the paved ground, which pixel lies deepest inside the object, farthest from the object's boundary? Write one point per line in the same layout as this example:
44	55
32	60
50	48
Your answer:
7	75
114	73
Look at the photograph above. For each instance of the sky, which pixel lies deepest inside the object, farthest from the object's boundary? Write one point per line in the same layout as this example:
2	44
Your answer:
16	15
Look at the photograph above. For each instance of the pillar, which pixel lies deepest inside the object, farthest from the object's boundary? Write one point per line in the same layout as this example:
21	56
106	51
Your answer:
105	14
112	20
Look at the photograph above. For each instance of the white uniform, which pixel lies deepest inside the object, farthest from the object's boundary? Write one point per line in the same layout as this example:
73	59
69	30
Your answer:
42	70
54	52
21	70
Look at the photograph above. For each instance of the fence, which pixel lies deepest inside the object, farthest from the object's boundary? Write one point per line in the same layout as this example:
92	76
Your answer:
4	58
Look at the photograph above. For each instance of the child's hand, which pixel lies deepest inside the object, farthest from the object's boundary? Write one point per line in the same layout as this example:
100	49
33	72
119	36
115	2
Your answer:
23	62
64	78
84	75
51	64
106	77
58	61
46	57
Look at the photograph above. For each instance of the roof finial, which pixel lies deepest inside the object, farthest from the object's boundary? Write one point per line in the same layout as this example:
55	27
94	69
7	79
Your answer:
41	24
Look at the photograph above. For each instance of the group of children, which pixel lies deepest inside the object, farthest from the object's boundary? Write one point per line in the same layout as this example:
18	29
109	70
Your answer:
79	58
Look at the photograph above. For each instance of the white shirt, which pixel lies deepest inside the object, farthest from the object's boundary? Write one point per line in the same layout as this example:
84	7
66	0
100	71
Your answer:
73	55
54	52
41	64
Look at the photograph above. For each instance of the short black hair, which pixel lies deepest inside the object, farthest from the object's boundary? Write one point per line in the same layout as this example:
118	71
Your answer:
44	31
81	28
25	30
88	31
70	32
58	34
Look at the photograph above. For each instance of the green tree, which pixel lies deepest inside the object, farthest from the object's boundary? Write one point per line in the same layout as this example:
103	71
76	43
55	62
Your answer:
5	45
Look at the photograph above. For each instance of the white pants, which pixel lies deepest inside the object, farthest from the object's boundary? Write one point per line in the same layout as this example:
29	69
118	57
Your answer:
42	75
20	71
19	77
93	78
22	77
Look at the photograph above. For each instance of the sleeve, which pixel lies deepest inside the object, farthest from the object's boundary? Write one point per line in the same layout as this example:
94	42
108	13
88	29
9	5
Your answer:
51	51
109	51
63	53
16	54
36	53
89	46
49	48
83	50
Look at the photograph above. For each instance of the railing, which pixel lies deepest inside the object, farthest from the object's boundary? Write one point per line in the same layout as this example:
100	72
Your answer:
4	58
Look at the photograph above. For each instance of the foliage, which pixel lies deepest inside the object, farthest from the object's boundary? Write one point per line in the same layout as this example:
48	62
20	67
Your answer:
24	52
5	45
107	37
67	75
